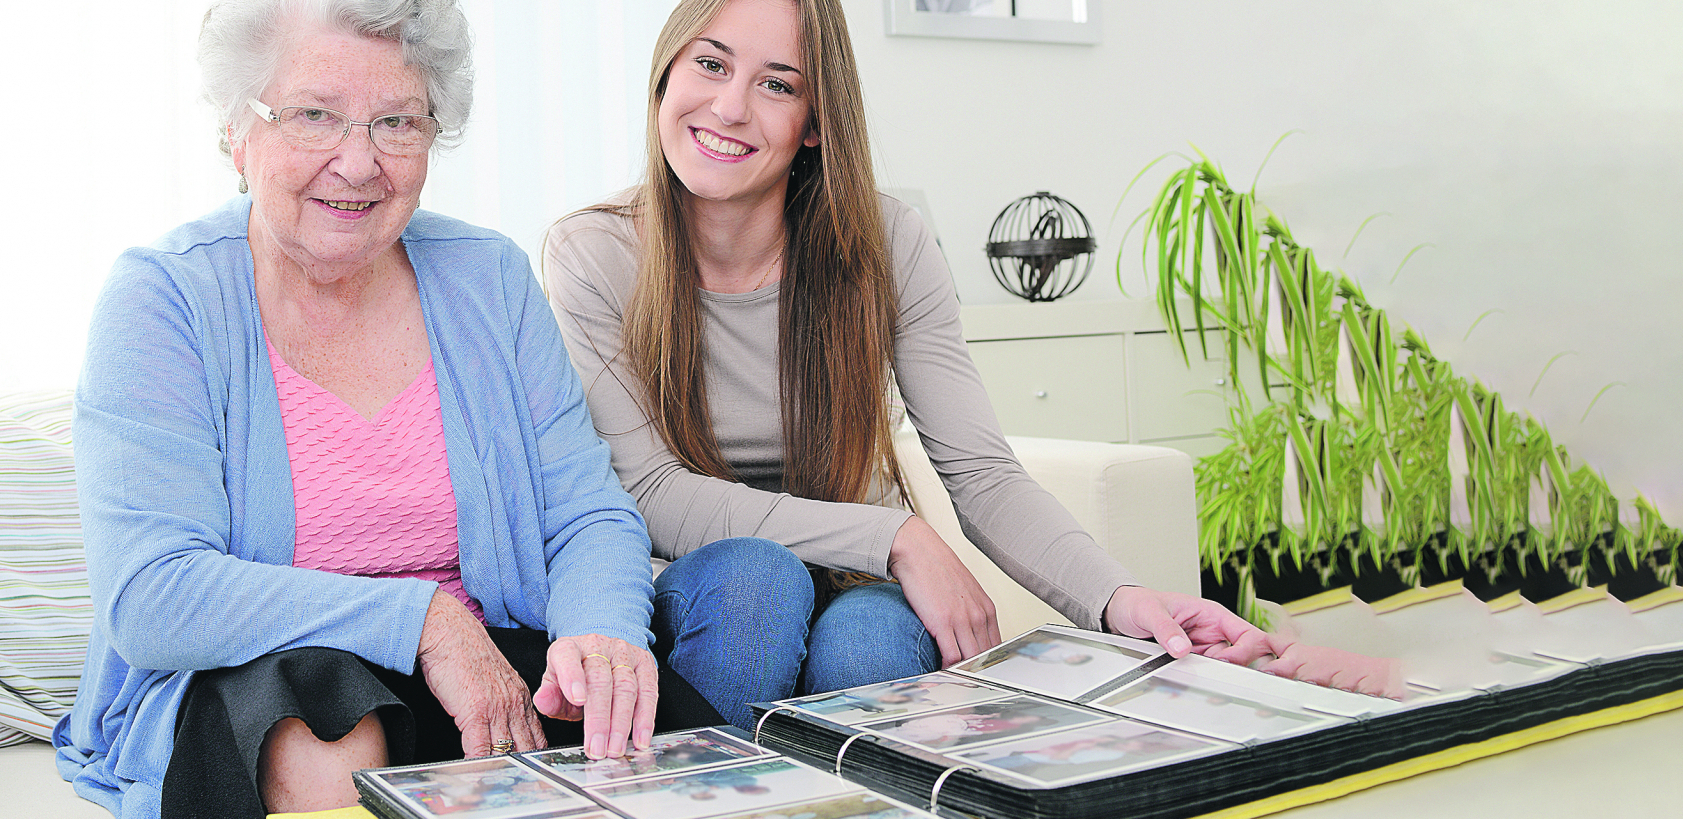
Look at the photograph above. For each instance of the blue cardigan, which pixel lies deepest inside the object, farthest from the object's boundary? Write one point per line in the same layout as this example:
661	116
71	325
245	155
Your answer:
187	503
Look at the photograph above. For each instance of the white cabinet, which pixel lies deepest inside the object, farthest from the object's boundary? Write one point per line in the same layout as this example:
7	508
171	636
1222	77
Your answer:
1098	371
1032	382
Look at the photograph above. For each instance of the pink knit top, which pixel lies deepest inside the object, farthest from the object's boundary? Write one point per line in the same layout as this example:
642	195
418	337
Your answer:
373	496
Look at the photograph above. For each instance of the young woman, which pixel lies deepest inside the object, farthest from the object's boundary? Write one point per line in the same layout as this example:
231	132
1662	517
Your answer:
740	321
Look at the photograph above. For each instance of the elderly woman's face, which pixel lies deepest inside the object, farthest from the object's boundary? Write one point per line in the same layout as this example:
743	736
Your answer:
337	208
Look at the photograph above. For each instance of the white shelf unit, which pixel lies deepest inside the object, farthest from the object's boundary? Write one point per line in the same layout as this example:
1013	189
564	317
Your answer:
1098	371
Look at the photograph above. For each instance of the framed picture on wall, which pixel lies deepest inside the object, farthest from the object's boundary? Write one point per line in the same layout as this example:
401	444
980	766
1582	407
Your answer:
1044	21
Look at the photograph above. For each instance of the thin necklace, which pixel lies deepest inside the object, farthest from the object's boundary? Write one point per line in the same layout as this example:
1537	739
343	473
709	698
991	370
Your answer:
767	275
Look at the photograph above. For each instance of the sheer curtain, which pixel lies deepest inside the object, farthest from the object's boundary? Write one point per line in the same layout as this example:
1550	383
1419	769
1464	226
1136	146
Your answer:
109	145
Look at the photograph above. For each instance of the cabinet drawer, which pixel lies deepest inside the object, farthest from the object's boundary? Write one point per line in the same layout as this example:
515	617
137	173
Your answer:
1071	387
1170	399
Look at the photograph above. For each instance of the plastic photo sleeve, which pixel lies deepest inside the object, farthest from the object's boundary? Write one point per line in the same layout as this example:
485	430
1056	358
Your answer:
898	698
1062	663
1213	709
739	788
667	754
1103	750
490	788
984	722
861	805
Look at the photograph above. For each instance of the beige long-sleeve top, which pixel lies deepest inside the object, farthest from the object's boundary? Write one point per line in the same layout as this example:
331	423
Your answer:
590	268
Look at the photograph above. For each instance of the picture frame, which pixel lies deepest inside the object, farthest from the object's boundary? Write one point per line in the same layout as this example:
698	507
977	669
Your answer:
968	19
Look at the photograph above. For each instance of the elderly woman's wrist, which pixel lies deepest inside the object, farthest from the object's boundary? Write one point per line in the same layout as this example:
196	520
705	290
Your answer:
443	624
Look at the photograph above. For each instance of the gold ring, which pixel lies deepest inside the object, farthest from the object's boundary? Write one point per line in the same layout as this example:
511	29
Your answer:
503	746
594	654
622	665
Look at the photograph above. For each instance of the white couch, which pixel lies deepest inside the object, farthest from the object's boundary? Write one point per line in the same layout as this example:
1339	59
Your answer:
1136	500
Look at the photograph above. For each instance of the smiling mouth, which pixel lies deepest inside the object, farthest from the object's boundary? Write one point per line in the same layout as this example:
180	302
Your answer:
346	206
719	145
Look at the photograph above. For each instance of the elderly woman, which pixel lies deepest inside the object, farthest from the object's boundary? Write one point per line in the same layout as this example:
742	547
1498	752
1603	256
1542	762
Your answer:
343	502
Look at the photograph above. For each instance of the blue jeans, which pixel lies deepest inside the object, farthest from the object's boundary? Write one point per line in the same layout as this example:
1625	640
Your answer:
736	619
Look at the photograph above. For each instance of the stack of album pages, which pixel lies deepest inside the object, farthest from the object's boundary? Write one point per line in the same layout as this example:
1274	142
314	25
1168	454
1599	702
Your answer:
1067	723
683	775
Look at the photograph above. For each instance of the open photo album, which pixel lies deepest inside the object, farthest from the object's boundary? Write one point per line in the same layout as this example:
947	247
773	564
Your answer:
1060	722
1056	723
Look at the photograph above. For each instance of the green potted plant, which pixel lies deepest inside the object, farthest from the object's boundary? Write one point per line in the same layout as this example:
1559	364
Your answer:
1362	459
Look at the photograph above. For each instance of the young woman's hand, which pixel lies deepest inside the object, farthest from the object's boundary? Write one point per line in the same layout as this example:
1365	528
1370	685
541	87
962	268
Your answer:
942	592
1336	668
473	682
611	684
1183	624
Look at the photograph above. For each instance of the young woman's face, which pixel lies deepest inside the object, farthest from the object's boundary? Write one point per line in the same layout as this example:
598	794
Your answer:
736	110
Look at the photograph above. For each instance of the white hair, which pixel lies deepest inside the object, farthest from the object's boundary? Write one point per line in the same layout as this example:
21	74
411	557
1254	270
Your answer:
242	43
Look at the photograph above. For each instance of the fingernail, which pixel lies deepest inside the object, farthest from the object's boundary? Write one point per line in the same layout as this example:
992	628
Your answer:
576	694
594	746
1179	644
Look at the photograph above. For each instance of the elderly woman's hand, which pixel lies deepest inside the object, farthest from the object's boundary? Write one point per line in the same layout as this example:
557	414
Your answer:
473	682
611	684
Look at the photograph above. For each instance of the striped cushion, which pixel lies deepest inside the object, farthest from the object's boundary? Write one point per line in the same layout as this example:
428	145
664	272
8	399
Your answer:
45	613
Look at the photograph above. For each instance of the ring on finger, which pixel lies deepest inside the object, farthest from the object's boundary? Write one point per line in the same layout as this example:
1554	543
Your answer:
503	746
596	654
620	666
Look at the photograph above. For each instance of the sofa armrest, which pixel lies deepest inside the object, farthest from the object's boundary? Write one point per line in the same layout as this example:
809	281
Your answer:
1137	501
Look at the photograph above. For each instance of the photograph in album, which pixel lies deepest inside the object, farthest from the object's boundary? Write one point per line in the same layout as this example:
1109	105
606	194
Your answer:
1063	663
666	754
489	788
897	698
1105	750
1215	675
713	791
848	806
1213	709
984	722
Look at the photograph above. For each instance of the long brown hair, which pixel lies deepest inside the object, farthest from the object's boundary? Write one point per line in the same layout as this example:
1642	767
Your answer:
836	303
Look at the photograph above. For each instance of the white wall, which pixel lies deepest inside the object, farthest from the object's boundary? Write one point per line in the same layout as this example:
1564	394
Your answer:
114	148
1533	145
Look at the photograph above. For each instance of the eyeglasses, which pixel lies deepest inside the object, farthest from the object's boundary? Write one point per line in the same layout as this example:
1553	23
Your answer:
320	129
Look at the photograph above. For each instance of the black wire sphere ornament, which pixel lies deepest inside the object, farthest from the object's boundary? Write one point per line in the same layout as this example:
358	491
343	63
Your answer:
1041	247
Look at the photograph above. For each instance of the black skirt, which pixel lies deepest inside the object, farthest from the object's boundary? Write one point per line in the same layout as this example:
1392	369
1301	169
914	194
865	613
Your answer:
227	712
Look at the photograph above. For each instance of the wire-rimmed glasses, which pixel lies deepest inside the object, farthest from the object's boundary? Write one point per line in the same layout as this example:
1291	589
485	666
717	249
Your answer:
316	128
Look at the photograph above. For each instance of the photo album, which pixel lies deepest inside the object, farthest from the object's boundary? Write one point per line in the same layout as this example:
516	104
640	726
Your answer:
1056	723
1061	722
